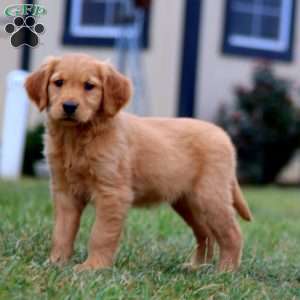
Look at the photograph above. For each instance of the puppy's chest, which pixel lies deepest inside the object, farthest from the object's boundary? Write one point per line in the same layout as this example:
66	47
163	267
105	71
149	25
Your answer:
77	165
79	169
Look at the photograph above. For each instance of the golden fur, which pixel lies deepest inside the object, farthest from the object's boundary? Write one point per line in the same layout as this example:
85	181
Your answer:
117	160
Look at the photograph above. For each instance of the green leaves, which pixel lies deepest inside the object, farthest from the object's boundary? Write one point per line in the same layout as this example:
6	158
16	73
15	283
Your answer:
263	118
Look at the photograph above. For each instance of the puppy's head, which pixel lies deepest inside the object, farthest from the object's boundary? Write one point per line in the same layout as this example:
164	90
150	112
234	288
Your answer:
77	88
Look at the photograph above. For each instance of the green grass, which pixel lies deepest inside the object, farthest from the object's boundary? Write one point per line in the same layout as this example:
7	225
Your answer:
154	246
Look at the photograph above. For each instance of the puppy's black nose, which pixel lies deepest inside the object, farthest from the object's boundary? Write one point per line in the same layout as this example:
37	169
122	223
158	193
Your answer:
70	107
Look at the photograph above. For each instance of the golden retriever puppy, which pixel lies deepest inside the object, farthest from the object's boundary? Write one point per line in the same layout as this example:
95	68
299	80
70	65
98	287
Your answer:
116	160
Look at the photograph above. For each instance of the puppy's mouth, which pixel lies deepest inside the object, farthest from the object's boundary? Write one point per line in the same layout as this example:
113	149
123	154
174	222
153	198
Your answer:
68	120
72	119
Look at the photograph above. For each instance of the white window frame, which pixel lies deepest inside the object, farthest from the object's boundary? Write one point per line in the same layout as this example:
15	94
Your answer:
279	45
91	31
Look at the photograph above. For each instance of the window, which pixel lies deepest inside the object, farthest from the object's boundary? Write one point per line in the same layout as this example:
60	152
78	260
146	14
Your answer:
259	28
97	22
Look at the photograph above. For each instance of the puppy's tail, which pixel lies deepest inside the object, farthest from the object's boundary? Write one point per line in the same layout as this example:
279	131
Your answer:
240	203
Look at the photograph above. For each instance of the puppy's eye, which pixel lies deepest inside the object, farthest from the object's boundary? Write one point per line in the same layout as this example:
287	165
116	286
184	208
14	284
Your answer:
88	86
59	82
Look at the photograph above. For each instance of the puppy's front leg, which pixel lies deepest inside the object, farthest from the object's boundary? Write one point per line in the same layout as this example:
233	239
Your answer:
67	218
111	212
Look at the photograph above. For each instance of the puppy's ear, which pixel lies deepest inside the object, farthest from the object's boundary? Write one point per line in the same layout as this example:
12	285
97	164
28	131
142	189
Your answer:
117	90
37	82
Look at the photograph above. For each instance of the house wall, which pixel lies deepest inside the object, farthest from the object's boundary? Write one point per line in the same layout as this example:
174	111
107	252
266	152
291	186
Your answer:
218	74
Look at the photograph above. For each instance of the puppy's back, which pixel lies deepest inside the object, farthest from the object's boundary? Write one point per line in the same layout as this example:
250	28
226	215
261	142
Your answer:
169	155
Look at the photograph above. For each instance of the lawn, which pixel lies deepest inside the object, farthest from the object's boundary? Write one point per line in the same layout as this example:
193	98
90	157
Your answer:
155	244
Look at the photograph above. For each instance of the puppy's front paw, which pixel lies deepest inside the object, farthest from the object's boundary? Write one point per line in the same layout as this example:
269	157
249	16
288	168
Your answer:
59	256
91	264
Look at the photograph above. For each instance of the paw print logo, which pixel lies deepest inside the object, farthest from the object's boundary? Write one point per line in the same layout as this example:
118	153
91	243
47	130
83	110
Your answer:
24	31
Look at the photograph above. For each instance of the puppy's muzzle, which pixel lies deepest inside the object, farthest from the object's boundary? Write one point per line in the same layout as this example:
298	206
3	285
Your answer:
69	108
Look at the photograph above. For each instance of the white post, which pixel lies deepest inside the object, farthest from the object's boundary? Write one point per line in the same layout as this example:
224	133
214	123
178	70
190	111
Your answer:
14	125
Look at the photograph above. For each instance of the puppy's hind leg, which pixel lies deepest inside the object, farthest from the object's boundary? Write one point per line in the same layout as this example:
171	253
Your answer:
204	237
216	205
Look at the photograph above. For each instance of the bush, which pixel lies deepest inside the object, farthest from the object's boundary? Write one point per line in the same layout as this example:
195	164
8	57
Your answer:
264	124
33	149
